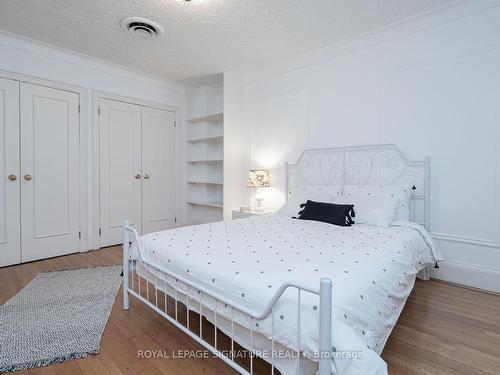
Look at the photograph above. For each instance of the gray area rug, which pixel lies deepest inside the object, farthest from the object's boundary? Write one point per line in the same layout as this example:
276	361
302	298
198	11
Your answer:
58	316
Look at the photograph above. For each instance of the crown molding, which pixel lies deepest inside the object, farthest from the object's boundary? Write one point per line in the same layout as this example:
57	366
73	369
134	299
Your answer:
417	23
50	51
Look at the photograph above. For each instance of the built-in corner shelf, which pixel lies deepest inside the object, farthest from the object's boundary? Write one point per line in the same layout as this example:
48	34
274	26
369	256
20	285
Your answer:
204	155
207	204
213	117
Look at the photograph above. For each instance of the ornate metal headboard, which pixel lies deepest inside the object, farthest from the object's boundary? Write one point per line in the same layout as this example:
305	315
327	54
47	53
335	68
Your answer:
364	165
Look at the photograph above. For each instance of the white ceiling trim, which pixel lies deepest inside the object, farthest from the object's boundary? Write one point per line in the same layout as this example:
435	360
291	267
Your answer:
47	50
423	21
212	37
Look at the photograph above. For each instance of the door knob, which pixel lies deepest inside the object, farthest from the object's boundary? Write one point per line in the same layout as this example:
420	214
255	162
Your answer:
12	177
137	176
28	177
146	177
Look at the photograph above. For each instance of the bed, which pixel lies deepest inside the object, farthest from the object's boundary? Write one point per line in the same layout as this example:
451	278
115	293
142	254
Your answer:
306	296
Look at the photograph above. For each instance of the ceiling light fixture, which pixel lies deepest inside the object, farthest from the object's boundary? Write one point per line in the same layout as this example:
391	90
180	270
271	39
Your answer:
142	27
191	2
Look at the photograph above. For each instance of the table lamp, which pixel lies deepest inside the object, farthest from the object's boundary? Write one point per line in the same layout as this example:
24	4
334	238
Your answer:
258	178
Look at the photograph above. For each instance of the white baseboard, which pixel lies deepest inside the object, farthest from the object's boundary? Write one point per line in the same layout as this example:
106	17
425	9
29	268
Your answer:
465	274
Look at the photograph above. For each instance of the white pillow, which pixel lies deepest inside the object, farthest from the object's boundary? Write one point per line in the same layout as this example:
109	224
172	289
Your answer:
400	193
304	193
292	205
376	210
319	190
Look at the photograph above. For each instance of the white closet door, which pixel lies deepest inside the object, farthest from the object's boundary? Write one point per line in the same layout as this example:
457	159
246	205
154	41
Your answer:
120	168
158	169
10	251
50	172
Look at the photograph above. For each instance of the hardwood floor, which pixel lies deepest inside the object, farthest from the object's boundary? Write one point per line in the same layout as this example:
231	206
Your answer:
444	329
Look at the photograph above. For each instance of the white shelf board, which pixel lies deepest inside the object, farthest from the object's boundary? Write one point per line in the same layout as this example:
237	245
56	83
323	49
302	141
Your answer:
204	160
213	138
205	182
213	117
208	204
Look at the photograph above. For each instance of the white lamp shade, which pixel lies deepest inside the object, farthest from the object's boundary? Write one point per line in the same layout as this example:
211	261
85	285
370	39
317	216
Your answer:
258	178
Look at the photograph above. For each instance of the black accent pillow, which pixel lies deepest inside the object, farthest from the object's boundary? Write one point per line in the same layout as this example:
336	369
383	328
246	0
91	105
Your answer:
337	214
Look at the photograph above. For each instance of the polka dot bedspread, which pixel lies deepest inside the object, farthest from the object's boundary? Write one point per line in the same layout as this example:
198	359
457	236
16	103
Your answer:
373	271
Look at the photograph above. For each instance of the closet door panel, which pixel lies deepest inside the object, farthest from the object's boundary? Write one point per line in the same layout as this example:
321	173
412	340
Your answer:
10	252
158	168
50	172
120	168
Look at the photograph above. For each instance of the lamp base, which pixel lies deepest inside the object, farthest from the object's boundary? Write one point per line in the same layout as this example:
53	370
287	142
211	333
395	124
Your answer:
259	207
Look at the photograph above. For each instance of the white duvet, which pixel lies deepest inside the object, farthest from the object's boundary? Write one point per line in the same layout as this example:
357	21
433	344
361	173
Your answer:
372	268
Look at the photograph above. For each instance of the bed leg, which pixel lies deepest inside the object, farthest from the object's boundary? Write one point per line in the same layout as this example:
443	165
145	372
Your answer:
425	273
325	326
126	266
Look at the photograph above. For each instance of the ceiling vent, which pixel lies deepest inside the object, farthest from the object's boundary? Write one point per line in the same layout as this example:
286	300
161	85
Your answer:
142	27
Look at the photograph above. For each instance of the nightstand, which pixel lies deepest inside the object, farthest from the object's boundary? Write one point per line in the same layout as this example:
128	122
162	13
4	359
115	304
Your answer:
237	214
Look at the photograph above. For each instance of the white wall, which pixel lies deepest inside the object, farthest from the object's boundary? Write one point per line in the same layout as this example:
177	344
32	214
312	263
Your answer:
35	59
235	146
430	85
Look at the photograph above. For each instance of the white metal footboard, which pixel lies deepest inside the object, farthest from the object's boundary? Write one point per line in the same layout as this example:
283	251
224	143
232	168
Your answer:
325	306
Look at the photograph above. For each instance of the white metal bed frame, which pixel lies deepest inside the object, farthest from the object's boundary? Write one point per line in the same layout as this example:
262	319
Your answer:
361	165
324	291
383	164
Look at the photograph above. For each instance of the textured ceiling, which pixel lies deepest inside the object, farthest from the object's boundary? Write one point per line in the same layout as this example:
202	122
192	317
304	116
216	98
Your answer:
215	36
